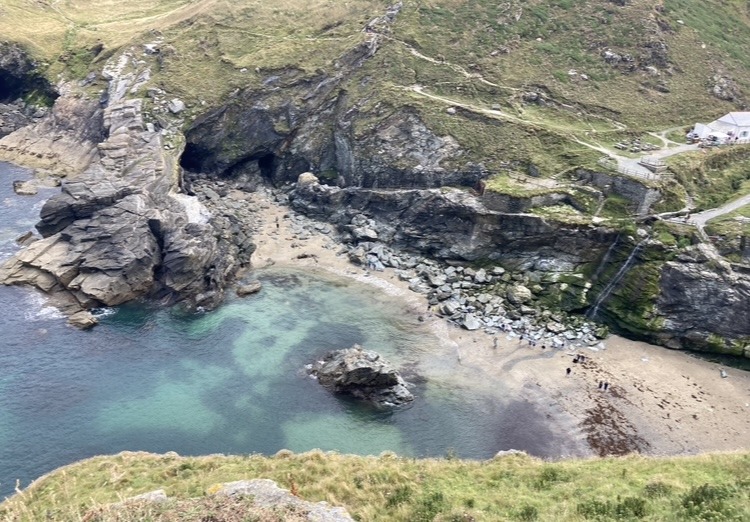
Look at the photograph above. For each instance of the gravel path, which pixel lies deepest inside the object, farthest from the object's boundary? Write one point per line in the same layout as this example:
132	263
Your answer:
700	219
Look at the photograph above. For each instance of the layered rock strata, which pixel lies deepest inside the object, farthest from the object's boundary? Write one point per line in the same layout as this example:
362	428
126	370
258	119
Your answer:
682	298
122	229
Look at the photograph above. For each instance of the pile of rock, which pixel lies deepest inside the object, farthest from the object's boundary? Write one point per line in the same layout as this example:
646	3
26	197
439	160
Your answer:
492	299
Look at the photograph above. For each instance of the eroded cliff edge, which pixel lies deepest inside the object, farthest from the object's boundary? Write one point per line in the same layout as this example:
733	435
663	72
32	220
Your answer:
121	228
127	223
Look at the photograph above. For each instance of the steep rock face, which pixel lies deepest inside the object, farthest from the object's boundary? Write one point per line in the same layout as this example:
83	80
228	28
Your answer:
639	195
300	123
691	302
99	242
64	142
121	230
705	306
454	224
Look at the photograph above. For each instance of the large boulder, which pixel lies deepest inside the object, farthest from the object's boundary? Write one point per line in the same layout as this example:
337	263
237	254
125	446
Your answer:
519	294
266	493
364	374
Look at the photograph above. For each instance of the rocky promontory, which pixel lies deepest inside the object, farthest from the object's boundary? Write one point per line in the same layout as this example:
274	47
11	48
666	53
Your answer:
121	228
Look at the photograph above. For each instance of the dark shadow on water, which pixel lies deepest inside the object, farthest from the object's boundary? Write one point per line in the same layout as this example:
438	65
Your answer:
477	428
280	280
326	337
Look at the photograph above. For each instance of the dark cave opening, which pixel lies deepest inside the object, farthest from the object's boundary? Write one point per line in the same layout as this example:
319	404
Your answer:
196	158
192	157
267	166
11	87
29	88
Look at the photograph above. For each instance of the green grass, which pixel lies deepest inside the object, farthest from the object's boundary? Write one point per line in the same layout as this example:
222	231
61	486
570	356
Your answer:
713	177
730	230
390	488
481	56
480	53
616	207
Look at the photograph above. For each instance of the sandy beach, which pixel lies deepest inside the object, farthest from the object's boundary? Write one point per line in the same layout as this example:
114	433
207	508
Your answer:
658	401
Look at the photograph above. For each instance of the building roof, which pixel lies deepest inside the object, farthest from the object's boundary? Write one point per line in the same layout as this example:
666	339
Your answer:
738	119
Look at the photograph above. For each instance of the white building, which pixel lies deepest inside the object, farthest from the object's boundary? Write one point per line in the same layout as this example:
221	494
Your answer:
734	127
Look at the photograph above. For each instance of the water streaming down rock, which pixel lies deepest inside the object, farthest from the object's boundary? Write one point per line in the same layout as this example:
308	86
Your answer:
594	310
605	259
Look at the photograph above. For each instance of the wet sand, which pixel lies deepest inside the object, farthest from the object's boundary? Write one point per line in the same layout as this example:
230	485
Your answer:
659	401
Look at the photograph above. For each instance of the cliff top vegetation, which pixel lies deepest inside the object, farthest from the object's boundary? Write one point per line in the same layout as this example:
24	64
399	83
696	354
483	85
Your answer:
539	86
513	487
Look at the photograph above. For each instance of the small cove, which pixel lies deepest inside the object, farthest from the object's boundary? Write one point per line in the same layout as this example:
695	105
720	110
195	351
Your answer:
232	380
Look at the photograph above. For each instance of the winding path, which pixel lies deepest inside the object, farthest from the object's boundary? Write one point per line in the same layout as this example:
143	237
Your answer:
627	165
701	218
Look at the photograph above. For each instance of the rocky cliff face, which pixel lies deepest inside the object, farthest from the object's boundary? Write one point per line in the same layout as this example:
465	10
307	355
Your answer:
120	229
298	123
704	304
696	301
279	138
62	143
454	224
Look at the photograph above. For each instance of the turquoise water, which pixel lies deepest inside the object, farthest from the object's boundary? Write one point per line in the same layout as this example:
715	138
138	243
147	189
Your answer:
229	381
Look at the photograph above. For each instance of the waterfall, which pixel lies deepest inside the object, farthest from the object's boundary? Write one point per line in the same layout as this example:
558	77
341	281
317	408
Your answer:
605	259
591	314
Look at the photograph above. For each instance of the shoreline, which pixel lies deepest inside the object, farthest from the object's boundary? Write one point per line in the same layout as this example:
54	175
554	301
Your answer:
659	401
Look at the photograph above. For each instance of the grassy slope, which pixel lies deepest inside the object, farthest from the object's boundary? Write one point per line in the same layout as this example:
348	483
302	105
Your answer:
480	53
389	488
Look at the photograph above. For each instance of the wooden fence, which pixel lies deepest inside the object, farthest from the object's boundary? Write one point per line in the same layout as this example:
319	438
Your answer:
628	171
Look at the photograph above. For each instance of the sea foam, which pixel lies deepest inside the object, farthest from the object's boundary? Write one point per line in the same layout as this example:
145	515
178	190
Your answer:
38	309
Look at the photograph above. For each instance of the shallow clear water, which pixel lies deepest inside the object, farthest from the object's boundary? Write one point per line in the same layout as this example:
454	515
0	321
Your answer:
230	381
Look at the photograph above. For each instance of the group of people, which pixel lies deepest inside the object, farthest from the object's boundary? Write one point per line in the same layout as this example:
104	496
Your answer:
579	358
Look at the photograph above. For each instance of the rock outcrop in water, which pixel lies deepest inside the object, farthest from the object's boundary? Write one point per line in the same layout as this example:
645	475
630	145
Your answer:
362	374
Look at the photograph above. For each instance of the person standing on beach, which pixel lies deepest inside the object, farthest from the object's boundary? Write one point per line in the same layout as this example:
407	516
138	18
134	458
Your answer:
567	371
